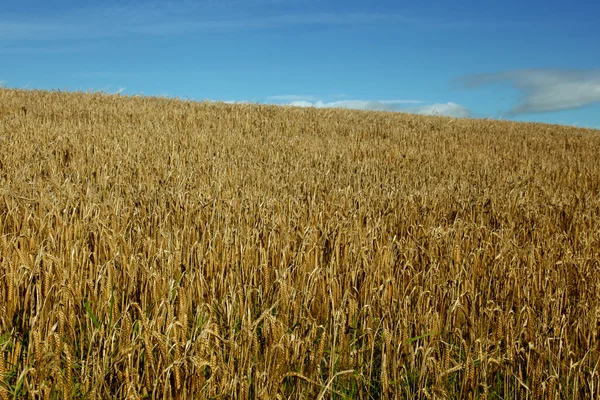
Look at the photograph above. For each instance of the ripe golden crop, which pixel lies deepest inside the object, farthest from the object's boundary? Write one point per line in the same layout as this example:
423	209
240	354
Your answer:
164	248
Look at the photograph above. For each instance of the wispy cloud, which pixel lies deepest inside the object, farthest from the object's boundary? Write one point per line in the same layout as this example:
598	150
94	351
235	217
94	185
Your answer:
446	109
545	90
162	18
378	105
172	18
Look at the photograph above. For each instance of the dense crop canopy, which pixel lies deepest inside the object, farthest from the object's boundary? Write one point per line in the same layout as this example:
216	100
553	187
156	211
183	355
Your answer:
190	250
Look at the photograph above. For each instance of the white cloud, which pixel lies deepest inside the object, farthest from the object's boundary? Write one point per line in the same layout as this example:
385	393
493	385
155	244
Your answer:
446	109
379	105
302	103
545	90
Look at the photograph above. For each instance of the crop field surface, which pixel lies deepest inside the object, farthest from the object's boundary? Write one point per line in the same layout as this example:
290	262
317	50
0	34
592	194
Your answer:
159	248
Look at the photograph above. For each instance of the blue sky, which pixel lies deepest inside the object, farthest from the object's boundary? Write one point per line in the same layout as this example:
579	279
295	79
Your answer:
523	60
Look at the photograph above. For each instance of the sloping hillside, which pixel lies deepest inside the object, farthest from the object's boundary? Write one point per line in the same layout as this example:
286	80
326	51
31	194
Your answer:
156	247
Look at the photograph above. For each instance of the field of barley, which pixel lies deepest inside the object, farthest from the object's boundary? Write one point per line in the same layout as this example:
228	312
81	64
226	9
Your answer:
159	248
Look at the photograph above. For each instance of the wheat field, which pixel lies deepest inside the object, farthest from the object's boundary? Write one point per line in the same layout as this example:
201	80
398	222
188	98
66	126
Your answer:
160	248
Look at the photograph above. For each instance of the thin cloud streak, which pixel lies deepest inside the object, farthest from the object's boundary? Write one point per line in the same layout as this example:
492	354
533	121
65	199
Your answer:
444	109
164	19
158	18
449	109
376	105
544	90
